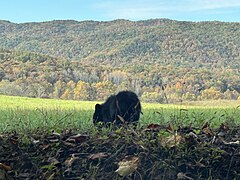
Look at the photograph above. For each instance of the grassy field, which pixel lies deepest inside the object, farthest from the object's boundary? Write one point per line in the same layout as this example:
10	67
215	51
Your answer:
26	114
85	153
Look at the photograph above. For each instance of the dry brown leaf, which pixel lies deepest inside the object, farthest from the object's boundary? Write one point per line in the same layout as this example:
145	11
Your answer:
69	144
45	146
127	166
172	141
6	167
206	129
79	138
71	160
98	156
152	127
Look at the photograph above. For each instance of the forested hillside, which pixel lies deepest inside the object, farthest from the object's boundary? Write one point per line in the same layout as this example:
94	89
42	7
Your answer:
120	41
162	60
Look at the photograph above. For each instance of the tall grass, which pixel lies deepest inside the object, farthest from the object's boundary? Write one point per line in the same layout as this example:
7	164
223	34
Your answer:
27	114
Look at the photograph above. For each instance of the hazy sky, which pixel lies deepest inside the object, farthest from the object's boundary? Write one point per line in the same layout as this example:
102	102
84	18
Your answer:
104	10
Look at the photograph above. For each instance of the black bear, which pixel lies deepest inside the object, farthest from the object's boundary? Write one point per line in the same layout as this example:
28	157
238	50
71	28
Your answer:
118	109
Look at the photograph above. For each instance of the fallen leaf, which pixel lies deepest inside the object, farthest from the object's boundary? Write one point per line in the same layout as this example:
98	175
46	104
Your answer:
69	144
79	138
6	167
206	129
71	160
183	176
45	146
53	140
152	127
34	141
98	156
56	134
199	164
127	166
54	137
172	141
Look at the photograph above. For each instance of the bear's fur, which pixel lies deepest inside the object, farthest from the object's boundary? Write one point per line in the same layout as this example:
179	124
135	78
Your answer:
124	107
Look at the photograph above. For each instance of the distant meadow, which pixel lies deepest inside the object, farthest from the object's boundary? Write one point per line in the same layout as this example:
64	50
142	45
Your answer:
23	114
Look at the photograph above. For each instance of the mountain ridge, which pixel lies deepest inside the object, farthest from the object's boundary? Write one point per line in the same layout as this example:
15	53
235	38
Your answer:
120	42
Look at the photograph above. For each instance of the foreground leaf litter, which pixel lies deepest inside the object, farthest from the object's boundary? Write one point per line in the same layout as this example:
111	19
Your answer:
152	152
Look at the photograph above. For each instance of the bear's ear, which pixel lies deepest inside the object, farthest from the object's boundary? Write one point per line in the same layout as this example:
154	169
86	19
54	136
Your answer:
98	107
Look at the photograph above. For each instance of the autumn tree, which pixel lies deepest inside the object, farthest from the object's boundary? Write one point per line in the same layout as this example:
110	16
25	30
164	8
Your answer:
211	93
104	89
81	91
59	88
69	92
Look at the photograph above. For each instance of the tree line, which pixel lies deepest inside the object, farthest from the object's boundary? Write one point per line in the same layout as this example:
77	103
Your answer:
36	75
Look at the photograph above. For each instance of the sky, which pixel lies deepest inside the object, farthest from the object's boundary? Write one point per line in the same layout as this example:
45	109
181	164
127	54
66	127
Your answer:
20	11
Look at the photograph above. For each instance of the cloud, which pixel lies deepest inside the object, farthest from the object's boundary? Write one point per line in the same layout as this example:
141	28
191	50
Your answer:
212	4
135	9
143	9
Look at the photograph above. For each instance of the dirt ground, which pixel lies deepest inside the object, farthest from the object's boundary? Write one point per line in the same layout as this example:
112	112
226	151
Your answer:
151	152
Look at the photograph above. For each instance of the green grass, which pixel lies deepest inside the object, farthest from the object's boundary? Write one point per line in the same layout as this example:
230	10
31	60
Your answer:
15	102
27	114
